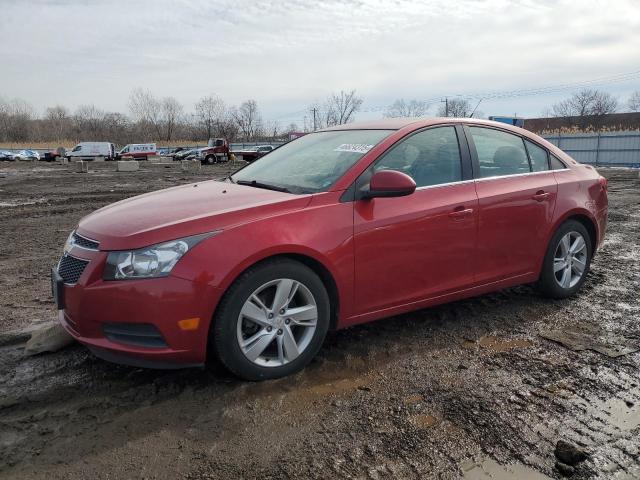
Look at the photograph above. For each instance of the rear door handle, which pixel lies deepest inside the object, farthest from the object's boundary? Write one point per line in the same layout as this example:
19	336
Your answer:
460	213
541	195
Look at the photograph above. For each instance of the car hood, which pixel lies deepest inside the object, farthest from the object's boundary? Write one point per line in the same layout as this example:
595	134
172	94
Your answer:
183	211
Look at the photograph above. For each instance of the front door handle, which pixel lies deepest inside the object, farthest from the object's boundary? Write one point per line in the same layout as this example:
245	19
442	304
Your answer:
460	212
541	195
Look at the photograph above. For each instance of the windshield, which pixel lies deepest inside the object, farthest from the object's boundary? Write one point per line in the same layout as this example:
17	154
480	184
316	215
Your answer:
311	163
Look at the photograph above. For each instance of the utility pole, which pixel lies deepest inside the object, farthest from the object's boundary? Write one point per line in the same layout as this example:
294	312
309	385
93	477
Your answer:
314	110
446	106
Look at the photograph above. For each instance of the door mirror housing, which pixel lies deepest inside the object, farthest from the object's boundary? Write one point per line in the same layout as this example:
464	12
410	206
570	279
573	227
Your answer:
389	183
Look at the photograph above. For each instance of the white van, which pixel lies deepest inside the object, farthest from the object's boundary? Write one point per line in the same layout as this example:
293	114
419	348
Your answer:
92	149
137	150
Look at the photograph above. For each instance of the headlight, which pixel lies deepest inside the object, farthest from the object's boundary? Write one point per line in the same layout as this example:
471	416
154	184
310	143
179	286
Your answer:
150	262
69	243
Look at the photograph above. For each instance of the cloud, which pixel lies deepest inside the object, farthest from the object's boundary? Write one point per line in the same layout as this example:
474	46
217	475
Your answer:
288	53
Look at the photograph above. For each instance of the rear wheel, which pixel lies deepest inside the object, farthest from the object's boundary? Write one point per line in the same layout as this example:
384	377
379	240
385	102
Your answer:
567	261
272	321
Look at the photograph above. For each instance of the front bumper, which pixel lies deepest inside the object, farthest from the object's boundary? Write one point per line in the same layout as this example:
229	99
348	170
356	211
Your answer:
93	305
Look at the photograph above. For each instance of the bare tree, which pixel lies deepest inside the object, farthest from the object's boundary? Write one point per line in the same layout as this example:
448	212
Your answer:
248	119
272	129
172	112
16	117
156	117
634	101
586	107
210	113
455	107
88	122
400	108
57	123
338	109
146	110
342	107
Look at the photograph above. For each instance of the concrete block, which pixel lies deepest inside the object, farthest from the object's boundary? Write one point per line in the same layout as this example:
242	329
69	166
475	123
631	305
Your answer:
190	165
127	166
48	338
80	166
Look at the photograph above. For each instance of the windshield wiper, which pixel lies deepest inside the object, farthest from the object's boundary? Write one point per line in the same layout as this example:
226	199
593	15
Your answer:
266	186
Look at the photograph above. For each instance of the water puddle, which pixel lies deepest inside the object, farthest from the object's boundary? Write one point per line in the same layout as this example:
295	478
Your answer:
490	469
20	204
618	412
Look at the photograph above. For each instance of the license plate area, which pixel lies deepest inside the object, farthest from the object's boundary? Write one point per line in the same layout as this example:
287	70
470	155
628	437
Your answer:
57	289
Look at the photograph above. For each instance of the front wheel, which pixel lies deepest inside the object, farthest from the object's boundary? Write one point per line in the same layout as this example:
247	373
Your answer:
272	321
210	159
567	261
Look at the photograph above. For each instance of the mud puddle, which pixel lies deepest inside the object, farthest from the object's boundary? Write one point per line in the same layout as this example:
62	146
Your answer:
489	469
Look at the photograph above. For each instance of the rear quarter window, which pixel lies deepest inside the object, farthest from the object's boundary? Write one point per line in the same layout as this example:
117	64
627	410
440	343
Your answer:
538	157
556	163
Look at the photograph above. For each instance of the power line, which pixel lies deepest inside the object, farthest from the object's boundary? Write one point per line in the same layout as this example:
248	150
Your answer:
498	94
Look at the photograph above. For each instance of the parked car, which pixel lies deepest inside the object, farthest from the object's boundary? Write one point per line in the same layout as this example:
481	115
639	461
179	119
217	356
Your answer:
92	149
6	155
137	151
26	155
339	227
217	151
253	153
184	154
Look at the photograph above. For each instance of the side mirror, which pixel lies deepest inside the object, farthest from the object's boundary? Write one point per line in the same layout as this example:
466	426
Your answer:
389	183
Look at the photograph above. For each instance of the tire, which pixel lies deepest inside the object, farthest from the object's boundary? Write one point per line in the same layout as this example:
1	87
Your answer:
561	276
210	159
274	355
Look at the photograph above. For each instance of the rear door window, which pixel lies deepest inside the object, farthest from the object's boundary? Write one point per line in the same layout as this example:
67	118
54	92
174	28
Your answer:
537	156
499	153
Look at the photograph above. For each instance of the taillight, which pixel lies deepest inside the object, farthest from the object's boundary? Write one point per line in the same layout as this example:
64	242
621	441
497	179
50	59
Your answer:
603	183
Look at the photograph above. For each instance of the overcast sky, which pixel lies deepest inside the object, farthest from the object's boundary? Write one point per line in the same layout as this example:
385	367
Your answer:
287	54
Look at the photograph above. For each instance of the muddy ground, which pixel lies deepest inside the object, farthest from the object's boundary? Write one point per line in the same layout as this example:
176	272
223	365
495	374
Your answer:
474	389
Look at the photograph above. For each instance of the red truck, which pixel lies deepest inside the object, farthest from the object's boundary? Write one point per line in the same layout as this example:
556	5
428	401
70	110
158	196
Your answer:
217	151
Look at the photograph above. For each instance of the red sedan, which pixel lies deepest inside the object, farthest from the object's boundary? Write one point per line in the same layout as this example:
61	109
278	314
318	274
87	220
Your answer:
339	227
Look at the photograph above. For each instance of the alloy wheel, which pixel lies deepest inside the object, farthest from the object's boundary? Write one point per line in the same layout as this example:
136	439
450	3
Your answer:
570	260
277	322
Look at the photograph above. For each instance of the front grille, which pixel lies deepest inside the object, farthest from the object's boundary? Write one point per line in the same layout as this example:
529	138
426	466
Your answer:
70	268
83	242
137	334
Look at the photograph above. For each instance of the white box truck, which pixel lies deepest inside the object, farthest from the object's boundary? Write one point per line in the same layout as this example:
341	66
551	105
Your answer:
91	150
137	151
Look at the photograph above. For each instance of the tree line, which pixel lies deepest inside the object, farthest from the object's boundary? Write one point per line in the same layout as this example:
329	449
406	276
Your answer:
165	119
584	109
161	119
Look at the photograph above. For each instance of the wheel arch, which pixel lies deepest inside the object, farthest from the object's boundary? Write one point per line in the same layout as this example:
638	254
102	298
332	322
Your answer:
310	261
586	219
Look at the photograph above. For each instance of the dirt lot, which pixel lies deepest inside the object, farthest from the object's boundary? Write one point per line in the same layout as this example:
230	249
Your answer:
475	389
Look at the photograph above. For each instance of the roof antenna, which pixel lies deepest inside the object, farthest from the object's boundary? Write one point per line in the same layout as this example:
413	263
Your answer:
474	110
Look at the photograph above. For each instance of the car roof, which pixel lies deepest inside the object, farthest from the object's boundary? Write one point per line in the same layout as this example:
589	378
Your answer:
398	123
